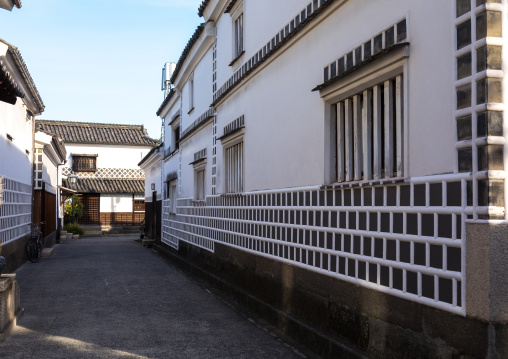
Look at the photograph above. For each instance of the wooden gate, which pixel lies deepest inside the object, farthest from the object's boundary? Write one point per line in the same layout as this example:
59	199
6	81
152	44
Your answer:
49	214
91	209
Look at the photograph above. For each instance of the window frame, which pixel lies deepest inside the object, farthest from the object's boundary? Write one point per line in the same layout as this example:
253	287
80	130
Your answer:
75	162
173	195
136	206
190	82
239	178
354	83
238	35
38	167
175	135
200	188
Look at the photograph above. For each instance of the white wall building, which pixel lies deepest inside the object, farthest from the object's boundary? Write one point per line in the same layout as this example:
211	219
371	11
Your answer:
151	164
105	158
358	144
49	155
19	103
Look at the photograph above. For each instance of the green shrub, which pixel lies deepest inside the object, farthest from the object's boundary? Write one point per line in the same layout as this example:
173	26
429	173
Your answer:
74	228
73	206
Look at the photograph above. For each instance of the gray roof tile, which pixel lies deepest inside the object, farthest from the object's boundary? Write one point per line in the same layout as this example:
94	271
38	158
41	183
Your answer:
97	133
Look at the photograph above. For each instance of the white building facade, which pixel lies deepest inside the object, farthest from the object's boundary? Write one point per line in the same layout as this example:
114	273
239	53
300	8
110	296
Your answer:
151	164
104	158
357	144
19	103
49	154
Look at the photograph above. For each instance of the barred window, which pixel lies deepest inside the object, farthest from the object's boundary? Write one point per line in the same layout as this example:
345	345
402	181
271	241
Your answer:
84	163
199	183
370	133
234	168
173	196
238	36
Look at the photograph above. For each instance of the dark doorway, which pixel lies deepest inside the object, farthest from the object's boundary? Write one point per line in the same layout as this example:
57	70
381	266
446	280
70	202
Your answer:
154	213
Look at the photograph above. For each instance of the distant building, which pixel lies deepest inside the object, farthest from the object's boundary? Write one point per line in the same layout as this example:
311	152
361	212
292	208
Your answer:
346	163
49	154
151	165
19	103
104	157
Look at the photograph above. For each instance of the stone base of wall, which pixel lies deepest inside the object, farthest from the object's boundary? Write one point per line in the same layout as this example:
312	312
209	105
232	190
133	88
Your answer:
10	309
50	240
153	221
334	318
14	253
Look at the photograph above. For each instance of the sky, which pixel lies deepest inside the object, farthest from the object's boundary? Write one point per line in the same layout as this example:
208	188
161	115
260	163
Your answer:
100	61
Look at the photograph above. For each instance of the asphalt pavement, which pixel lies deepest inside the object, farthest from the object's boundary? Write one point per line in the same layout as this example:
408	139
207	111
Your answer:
109	297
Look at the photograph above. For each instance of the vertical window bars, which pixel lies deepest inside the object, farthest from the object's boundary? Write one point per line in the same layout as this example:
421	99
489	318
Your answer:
369	133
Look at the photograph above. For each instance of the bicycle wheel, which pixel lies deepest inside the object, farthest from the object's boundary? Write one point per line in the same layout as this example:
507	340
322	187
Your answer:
34	250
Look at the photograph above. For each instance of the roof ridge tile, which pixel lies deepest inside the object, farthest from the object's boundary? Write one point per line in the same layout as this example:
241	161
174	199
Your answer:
97	133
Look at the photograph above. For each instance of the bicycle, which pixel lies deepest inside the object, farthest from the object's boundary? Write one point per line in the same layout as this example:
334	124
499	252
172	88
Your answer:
34	245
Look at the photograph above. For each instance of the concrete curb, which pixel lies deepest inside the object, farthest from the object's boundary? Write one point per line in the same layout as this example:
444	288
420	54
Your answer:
47	252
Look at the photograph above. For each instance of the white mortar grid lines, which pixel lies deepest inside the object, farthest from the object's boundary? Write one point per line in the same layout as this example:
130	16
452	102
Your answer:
386	262
190	234
466	17
38	160
398	293
374	209
256	197
13	200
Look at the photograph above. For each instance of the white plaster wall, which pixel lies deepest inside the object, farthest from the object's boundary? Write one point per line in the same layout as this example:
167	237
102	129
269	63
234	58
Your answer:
110	156
202	90
203	83
15	163
285	131
200	139
432	134
261	24
116	203
262	19
225	49
171	165
153	175
49	172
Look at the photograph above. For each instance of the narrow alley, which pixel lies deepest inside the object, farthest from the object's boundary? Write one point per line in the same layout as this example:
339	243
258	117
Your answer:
110	297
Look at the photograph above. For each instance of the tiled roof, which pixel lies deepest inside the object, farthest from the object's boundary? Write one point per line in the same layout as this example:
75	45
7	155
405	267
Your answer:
150	153
106	185
59	147
97	133
230	6
202	7
166	101
186	51
21	65
9	89
307	16
180	62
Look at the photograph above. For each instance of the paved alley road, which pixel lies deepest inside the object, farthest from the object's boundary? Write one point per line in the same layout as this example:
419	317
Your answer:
111	298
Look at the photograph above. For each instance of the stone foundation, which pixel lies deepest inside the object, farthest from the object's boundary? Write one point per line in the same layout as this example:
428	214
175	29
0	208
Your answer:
10	309
335	318
14	253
